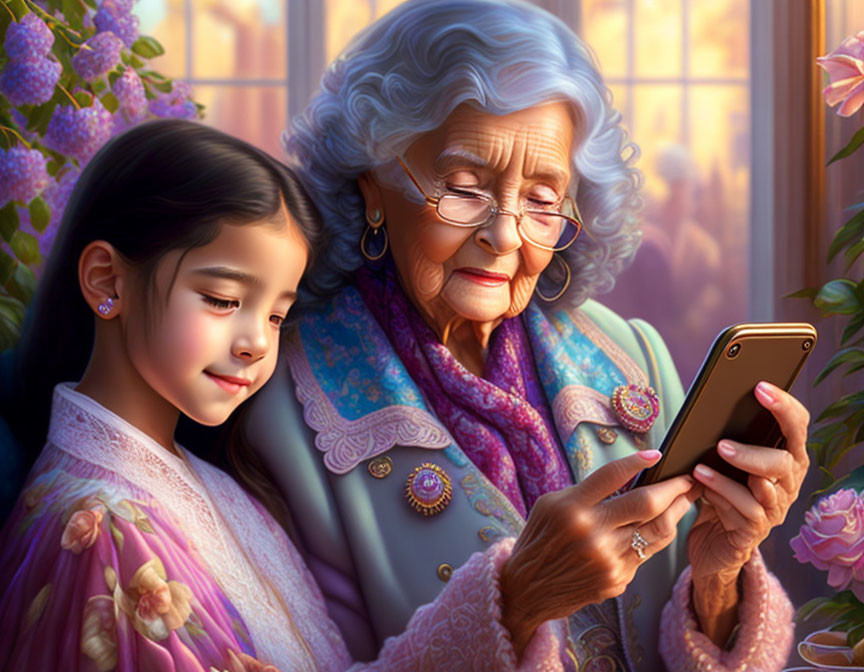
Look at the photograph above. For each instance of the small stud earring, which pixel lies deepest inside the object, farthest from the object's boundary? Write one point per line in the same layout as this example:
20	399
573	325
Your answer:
106	307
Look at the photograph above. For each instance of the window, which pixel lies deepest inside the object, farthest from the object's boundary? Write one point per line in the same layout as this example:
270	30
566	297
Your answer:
234	54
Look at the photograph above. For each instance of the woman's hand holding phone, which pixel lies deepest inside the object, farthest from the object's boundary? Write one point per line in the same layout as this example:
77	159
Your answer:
735	518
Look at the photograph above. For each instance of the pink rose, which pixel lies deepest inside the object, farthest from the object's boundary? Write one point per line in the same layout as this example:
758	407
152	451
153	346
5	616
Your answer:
832	539
82	530
845	68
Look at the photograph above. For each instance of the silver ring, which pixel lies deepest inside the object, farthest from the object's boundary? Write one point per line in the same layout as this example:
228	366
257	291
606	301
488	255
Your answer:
638	544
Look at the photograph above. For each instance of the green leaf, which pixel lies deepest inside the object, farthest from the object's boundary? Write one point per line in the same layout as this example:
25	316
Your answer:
147	47
850	148
848	403
84	98
807	293
110	102
854	326
40	214
22	284
25	247
844	356
851	231
164	87
131	59
113	76
805	611
73	10
838	297
9	221
10	333
853	253
13	308
7	267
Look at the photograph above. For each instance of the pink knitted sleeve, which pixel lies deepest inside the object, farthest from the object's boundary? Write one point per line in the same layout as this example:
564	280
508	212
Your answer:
765	630
461	629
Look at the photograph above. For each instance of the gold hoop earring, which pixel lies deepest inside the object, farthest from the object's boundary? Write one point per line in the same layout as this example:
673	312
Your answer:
560	292
371	256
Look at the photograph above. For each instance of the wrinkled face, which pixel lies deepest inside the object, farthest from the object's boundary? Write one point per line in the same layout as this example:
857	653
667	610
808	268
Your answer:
484	274
214	333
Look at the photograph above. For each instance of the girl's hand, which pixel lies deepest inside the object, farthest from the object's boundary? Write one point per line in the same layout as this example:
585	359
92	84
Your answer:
576	548
734	519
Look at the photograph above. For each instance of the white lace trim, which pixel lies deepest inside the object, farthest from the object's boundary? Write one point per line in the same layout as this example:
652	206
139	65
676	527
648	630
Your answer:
86	430
346	443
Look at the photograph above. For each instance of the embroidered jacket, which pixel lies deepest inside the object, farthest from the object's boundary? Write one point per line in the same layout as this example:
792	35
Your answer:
342	426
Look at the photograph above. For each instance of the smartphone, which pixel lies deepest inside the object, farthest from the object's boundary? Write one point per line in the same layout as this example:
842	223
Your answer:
720	403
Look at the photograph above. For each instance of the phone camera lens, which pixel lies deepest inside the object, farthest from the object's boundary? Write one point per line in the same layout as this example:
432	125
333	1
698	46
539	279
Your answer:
806	345
733	352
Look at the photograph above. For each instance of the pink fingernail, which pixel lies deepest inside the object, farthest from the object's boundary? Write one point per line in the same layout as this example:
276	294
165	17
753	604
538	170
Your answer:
704	472
765	393
726	449
649	455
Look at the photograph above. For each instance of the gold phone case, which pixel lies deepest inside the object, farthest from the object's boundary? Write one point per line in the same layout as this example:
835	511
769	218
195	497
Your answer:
720	403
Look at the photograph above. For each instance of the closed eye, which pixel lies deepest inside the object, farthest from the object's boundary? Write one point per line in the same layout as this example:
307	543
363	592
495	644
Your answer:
221	304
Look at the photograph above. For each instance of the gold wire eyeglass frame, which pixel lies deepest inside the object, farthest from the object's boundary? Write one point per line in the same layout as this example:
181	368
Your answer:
494	211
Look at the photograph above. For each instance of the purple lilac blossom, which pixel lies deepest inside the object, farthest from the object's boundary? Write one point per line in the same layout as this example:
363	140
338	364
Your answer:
79	133
103	55
28	38
832	539
23	172
30	82
116	17
176	104
129	90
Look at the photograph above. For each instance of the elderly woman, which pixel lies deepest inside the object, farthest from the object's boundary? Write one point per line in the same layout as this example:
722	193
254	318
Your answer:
477	190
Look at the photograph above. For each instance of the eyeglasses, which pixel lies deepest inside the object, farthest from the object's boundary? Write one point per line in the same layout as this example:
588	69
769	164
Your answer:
554	228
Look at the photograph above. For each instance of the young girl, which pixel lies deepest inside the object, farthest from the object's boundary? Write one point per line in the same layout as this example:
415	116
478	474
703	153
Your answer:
178	259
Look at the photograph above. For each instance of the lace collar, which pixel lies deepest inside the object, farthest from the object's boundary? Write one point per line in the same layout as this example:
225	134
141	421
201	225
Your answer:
83	428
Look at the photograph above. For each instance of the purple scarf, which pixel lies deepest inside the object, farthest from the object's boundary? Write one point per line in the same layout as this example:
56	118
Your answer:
500	421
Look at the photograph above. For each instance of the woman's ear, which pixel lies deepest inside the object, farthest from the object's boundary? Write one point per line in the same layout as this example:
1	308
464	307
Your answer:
374	208
101	276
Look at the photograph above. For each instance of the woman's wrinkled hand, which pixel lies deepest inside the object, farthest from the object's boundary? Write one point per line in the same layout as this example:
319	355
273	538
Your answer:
576	548
735	518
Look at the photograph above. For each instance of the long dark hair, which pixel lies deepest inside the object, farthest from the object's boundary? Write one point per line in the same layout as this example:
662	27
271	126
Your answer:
161	186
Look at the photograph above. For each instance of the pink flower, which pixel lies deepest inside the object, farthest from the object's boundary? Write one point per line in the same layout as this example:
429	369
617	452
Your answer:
845	67
82	530
832	539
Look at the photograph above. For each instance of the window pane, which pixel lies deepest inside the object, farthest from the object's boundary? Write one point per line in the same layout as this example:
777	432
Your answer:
239	39
255	114
345	18
658	38
656	124
719	38
166	21
384	6
604	27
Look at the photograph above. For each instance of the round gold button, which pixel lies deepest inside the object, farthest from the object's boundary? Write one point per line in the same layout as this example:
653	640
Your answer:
381	467
445	571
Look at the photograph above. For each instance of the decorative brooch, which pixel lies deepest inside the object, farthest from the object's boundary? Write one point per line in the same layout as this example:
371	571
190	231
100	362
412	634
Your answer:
428	489
637	407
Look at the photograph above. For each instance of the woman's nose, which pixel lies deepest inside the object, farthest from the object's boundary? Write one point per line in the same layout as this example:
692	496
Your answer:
501	235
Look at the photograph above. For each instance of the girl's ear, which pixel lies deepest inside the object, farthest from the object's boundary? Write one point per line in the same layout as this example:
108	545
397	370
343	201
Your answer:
372	196
101	275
